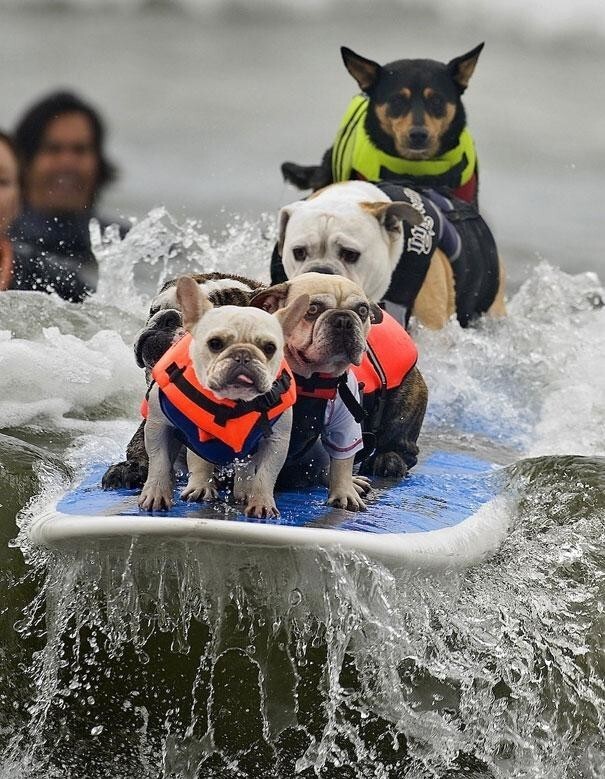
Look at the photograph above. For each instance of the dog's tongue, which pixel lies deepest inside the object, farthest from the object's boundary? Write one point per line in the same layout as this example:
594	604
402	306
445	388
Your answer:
243	379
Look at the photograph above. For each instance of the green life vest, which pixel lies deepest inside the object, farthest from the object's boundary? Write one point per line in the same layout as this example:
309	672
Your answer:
354	153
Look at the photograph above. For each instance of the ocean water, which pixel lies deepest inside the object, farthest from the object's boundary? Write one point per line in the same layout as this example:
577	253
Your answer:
182	661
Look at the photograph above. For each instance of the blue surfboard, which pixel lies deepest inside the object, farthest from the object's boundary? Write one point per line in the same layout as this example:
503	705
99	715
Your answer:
444	512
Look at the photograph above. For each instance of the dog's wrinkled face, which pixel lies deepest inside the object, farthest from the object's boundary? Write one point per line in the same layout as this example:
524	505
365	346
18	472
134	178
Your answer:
351	229
413	103
236	352
164	325
332	335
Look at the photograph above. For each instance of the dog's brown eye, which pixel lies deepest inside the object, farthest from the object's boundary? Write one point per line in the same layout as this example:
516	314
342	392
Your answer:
363	311
312	311
399	105
300	253
215	344
349	255
269	349
436	104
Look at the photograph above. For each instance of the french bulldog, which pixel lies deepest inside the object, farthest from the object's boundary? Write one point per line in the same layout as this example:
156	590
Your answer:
236	354
395	250
162	329
328	342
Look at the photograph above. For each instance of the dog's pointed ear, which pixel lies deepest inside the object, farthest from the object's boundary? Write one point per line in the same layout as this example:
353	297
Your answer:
376	314
462	68
193	302
290	316
391	215
270	299
364	71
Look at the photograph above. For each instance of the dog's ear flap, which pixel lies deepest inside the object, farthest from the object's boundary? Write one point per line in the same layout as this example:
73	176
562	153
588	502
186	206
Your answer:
390	215
462	68
193	302
364	71
376	314
282	222
290	316
270	299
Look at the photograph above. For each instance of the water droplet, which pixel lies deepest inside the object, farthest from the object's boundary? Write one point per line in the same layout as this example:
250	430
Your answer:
96	730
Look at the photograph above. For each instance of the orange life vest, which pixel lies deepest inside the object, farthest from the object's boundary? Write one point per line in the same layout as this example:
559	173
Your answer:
217	429
390	356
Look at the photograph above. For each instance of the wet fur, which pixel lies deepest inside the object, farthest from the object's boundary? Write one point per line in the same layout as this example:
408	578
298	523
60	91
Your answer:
396	438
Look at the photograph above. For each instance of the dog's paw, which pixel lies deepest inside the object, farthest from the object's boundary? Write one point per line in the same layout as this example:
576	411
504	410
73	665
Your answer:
199	491
128	475
156	497
261	507
390	465
346	498
362	484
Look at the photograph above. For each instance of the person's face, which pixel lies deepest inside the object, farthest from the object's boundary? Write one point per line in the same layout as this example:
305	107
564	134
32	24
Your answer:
63	174
9	187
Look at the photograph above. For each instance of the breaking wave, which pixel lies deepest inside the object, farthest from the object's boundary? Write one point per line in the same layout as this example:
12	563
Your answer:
183	660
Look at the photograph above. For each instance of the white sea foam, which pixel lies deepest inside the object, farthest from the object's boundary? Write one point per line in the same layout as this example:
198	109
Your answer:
535	379
53	380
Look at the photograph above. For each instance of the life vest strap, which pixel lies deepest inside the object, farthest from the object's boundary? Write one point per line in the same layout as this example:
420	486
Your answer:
350	401
326	387
223	413
317	386
380	396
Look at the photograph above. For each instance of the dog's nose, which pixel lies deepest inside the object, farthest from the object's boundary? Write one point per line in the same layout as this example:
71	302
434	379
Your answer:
343	322
241	356
418	136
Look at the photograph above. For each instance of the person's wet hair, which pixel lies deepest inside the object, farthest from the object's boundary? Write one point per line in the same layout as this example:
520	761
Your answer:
29	132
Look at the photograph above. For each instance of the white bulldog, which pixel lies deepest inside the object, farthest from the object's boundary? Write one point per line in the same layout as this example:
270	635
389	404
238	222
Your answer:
353	229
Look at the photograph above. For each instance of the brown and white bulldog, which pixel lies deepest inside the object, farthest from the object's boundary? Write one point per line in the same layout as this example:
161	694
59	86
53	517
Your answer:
327	342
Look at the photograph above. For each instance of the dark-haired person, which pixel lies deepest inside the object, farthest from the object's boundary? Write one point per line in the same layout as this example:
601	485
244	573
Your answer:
9	206
60	144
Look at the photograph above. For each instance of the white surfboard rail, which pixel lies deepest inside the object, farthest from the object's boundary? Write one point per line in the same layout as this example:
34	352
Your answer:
464	544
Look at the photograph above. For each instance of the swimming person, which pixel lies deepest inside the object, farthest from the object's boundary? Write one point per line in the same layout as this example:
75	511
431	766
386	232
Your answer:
60	144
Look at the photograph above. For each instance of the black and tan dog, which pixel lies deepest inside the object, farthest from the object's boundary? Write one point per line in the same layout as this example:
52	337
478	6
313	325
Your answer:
409	124
163	327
